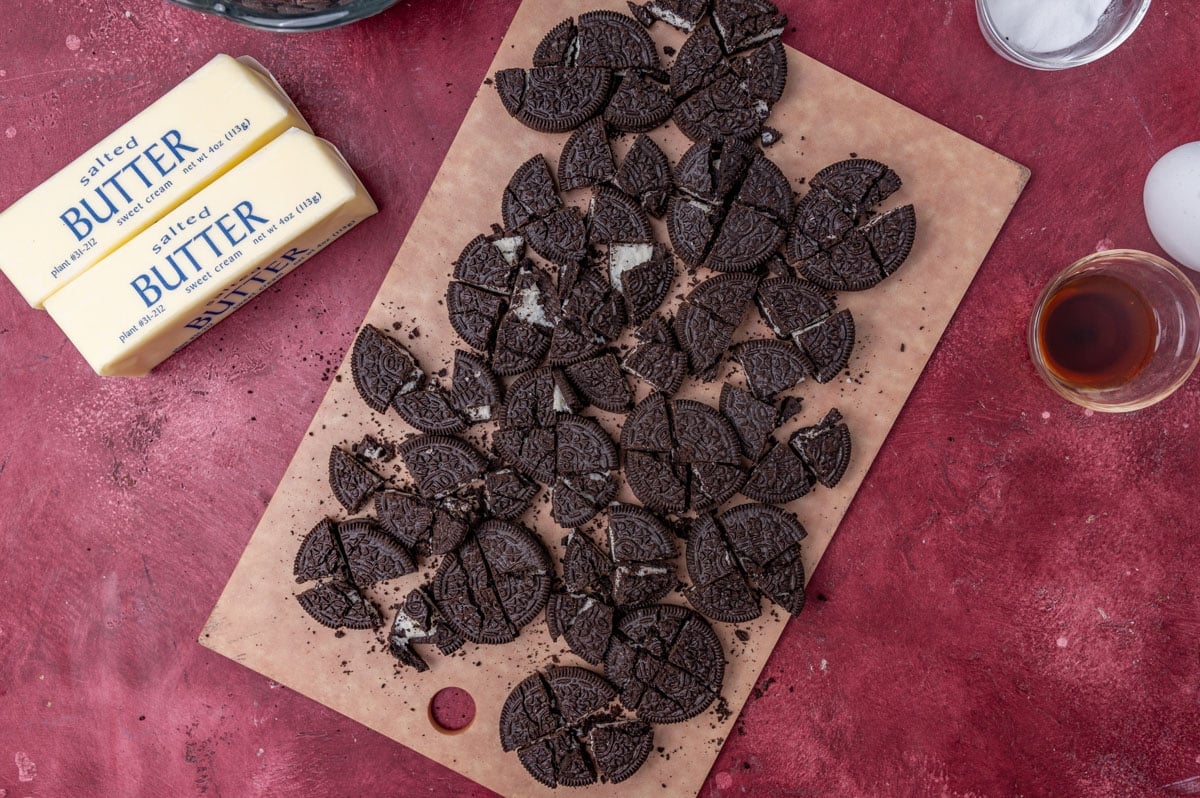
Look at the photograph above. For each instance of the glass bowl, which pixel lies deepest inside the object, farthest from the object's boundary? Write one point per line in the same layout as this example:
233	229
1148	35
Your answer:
1119	20
1173	346
290	15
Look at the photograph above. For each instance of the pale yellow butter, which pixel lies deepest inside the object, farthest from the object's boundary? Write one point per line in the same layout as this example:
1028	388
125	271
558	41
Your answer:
210	255
199	130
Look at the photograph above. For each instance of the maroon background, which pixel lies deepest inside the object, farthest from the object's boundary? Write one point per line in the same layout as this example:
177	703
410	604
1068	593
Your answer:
1011	605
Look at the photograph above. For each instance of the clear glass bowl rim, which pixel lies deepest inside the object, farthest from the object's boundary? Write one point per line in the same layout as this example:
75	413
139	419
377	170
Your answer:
1085	401
288	23
1034	61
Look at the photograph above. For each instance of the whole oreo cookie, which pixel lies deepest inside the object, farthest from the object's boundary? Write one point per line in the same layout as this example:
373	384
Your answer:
667	662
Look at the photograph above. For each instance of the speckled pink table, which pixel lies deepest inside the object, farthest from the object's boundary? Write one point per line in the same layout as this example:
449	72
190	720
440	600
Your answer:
1011	606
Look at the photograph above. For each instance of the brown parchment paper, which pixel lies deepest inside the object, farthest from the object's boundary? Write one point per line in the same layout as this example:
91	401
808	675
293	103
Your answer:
963	193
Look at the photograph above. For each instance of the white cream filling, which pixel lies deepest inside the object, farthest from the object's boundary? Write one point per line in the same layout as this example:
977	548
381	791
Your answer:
529	308
509	247
623	257
560	402
671	18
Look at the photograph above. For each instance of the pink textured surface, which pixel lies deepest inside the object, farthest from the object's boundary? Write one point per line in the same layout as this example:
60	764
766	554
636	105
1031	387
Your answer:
1011	607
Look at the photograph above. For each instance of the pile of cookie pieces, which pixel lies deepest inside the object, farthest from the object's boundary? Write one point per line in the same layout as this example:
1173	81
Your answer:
541	302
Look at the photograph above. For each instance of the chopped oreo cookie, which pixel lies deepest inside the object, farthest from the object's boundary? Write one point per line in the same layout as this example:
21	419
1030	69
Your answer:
779	477
373	450
418	621
565	730
495	583
382	368
857	184
584	622
553	99
642	549
560	237
751	418
692	225
620	747
428	526
476	392
601	382
508	494
772	366
745	23
587	158
530	450
575	500
529	195
371	554
613	40
646	174
891	237
352	482
429	410
318	556
339	604
667	662
639	103
348	557
725	92
647	428
488	262
583	447
824	448
832	239
680	454
789	305
828	344
474	314
661	365
708	317
682	14
440	464
642	274
616	218
749	549
573	455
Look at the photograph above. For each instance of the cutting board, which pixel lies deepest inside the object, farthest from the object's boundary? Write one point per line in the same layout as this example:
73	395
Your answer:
963	194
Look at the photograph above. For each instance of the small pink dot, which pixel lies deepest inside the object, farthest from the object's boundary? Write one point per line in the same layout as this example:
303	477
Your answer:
10	133
1089	412
724	781
1061	642
1045	415
73	42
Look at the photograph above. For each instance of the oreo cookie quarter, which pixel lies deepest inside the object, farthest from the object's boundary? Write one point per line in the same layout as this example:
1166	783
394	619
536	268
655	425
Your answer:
646	174
587	158
352	482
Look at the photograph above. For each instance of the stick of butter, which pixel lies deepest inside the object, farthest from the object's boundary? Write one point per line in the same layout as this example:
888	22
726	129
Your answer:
210	255
193	134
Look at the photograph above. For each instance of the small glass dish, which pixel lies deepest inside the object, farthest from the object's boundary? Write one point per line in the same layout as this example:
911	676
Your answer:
1117	23
290	16
1170	338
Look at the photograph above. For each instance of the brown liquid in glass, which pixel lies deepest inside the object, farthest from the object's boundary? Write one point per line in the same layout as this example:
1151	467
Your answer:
1097	331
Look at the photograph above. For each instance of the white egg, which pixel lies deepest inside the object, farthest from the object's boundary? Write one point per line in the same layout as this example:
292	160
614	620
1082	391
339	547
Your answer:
1172	200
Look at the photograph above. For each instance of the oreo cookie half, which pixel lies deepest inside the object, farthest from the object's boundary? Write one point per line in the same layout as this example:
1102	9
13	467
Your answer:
382	368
